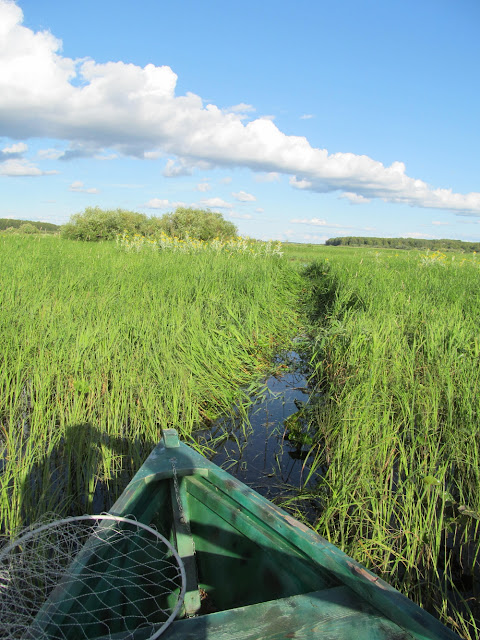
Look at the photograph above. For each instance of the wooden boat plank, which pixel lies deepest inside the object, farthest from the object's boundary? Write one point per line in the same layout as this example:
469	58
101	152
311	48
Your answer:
332	614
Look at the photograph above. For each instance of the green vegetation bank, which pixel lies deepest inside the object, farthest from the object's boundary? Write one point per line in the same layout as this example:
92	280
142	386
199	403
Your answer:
405	243
27	226
393	427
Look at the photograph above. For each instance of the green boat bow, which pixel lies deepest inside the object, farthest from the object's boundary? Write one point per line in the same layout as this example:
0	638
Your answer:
252	570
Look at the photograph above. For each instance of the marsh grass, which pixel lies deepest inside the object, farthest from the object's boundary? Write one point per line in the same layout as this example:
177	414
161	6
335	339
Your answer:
397	420
101	349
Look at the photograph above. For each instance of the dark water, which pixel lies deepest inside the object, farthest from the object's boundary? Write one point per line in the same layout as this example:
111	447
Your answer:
257	451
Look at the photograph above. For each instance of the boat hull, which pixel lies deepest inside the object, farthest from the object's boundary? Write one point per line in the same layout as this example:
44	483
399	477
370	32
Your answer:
252	570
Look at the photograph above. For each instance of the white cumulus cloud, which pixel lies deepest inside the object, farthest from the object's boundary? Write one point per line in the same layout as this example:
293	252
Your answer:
152	155
174	169
241	216
159	203
272	176
216	203
243	196
354	198
15	149
50	154
317	222
135	111
80	187
20	168
242	108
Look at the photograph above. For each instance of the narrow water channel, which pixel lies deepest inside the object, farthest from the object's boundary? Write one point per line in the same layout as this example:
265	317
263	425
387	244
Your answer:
257	451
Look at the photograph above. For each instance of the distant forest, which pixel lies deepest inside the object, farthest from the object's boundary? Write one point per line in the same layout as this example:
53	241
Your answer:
6	223
404	243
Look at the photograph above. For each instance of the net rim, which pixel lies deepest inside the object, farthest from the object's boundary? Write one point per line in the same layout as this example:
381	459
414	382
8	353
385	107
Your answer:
113	518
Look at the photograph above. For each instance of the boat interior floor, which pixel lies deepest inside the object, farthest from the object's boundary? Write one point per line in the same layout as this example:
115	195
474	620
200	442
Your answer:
334	614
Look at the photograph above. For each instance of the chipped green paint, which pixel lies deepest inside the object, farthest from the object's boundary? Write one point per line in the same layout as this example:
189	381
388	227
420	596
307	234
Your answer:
253	571
265	574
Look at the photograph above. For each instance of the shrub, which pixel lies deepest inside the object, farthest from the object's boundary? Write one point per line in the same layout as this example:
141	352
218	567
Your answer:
27	227
197	223
96	224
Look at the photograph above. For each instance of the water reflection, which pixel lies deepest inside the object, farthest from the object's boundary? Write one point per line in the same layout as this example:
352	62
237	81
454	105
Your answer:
257	451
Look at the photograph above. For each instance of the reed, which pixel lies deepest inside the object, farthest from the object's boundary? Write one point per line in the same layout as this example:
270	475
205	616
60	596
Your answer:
396	420
101	349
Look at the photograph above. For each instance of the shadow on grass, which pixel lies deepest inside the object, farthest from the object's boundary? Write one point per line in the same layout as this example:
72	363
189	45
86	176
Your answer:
84	473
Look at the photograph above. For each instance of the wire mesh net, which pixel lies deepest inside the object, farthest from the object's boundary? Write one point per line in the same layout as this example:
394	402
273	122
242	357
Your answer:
89	577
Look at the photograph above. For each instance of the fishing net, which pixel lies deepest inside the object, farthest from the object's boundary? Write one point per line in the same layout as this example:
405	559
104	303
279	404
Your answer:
89	577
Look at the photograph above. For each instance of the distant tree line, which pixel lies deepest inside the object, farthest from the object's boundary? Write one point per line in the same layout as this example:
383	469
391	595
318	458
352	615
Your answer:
404	243
95	224
7	223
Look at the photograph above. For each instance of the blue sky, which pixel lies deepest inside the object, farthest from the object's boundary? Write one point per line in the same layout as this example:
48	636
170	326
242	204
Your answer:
298	121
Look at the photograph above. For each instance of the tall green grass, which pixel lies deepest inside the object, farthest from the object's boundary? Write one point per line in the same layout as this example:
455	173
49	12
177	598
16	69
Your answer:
396	420
103	349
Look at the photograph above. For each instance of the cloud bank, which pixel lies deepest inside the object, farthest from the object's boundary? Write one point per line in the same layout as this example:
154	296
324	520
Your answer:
135	111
